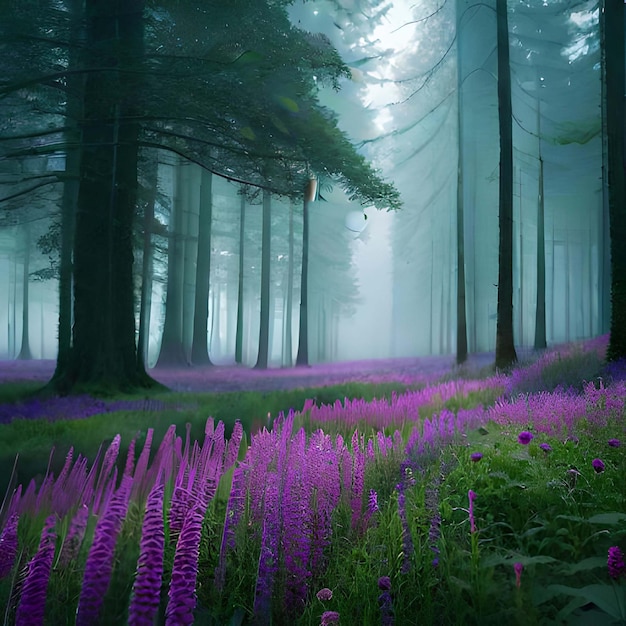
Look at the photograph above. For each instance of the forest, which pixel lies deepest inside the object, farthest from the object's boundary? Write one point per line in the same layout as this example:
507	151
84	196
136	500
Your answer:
187	183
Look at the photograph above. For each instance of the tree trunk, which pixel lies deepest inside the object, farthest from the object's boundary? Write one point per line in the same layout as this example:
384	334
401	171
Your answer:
540	312
505	347
145	307
104	352
25	353
199	345
461	314
242	240
172	353
302	357
74	95
288	305
266	261
614	59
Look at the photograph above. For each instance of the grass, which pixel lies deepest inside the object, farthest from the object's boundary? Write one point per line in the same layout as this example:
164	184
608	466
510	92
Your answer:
544	515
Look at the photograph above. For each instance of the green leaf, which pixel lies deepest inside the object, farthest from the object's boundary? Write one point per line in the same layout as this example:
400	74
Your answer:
592	562
608	518
610	598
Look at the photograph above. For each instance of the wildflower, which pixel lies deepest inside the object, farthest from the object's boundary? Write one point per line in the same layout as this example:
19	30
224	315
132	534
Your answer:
614	443
615	563
472	496
546	447
518	567
476	456
525	437
384	583
372	502
329	617
324	594
598	465
8	545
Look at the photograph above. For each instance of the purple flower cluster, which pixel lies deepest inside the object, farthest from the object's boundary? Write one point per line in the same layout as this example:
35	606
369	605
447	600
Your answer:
8	545
615	563
385	601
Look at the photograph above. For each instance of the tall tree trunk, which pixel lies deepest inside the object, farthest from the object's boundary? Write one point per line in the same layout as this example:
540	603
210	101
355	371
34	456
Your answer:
172	352
199	345
461	314
288	305
73	113
145	306
104	351
302	358
242	241
540	311
266	262
614	56
505	346
25	353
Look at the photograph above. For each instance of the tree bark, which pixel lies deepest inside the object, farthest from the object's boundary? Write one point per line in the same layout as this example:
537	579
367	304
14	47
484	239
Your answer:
242	241
25	353
104	353
288	304
266	262
302	358
172	353
199	344
614	55
505	346
540	311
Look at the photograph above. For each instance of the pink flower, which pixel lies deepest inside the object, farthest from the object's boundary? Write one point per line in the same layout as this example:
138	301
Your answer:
471	496
518	567
598	465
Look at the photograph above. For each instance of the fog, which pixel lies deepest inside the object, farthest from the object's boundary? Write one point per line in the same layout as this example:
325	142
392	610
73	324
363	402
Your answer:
384	284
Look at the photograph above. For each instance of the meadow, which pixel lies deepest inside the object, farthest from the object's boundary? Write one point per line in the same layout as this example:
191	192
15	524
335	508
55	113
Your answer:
459	496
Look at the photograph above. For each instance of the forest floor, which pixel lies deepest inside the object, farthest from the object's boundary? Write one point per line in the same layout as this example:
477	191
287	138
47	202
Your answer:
224	378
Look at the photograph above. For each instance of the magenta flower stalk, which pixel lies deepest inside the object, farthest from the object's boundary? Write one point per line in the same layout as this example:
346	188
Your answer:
182	592
518	567
407	540
147	586
32	606
471	496
615	563
100	558
8	545
232	450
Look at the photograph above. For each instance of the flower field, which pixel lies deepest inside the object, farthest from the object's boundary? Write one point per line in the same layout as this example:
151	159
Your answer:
456	501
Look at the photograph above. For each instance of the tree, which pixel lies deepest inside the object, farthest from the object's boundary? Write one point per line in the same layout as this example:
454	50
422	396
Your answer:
505	347
614	60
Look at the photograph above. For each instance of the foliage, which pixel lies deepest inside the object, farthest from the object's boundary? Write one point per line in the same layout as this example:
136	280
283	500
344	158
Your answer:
466	516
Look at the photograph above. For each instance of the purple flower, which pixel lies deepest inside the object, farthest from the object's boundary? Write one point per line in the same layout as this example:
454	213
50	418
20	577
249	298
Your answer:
525	437
518	567
598	465
329	617
147	586
74	537
614	443
476	456
471	496
324	594
8	545
182	591
372	502
384	583
546	447
615	562
32	604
